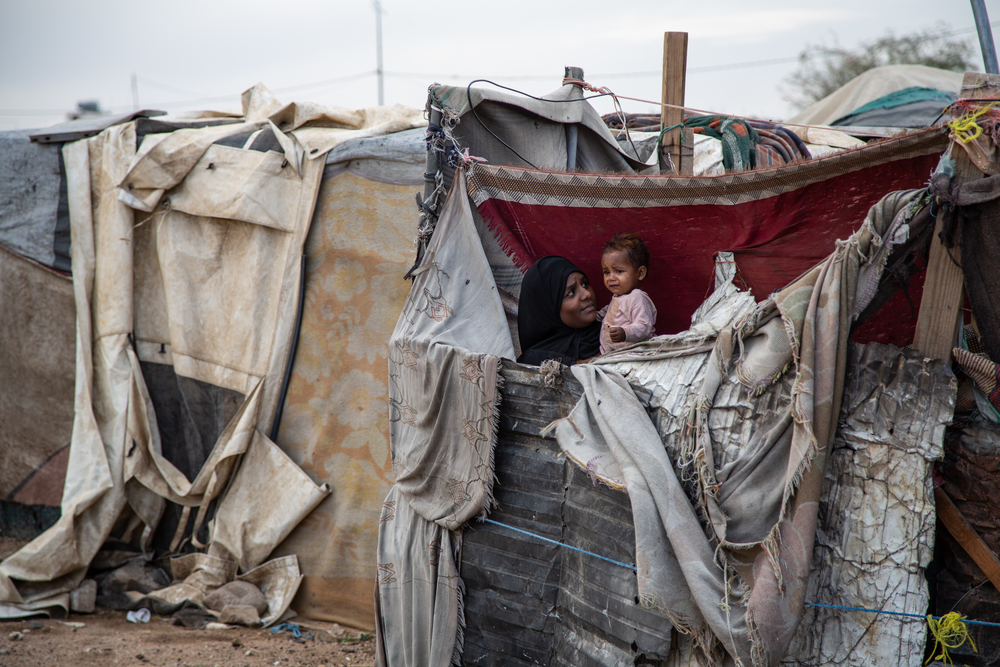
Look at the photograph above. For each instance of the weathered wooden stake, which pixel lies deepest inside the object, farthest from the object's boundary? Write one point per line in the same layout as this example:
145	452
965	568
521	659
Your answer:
674	82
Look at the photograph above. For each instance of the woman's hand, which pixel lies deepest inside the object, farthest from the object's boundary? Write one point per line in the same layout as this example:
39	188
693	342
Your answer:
617	334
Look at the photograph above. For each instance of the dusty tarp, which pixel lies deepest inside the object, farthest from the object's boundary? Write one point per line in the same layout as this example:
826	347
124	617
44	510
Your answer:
873	84
778	222
503	128
34	218
36	379
42	573
443	398
335	423
212	295
759	498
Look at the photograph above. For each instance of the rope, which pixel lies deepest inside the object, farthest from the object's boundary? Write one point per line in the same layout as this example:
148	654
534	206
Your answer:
946	629
949	632
560	544
580	83
644	101
965	128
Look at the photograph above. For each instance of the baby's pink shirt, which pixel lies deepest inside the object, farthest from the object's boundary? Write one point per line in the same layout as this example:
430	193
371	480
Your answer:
634	312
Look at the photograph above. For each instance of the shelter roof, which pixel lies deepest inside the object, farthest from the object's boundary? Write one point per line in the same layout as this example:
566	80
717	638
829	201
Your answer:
872	85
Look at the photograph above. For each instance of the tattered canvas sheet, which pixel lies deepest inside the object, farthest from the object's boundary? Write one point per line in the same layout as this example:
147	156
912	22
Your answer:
756	482
877	516
443	402
197	575
270	495
335	423
217	271
37	320
318	129
42	572
214	297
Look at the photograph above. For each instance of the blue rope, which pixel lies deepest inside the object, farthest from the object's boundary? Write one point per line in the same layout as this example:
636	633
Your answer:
895	613
808	604
559	544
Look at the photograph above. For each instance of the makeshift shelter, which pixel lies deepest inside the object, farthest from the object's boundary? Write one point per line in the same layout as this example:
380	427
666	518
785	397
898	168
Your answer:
499	594
192	269
722	381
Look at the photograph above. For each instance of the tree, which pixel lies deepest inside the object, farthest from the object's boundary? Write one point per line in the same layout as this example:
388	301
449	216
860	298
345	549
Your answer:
823	69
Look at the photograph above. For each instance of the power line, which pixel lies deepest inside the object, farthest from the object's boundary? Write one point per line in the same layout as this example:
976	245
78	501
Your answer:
418	75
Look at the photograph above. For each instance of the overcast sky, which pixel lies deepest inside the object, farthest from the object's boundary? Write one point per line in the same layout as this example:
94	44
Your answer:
198	54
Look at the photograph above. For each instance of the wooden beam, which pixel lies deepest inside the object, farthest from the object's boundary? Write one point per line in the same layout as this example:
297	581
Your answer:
674	82
941	304
966	535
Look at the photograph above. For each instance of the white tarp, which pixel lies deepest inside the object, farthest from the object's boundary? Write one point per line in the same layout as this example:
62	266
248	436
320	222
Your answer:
873	84
185	253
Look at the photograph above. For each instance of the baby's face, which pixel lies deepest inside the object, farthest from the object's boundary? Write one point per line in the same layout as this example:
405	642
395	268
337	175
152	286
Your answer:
620	277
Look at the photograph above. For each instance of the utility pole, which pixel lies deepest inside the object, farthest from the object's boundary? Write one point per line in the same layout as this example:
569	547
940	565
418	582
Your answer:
135	92
378	46
986	44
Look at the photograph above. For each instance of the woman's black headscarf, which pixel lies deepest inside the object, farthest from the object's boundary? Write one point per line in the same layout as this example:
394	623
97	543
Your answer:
540	329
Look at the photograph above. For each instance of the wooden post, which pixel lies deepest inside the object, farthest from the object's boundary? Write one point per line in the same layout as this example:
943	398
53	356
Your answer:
966	535
674	82
571	128
941	304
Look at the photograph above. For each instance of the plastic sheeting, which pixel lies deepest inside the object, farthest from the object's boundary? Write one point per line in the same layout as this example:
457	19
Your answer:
34	218
206	281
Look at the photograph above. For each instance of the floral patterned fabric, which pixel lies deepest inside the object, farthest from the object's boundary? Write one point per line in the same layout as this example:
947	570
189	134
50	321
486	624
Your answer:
335	424
443	402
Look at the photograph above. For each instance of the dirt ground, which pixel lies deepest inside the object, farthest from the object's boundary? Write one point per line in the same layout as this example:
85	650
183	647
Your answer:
106	638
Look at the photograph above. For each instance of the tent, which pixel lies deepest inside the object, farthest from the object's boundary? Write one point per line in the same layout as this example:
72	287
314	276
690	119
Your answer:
545	579
195	296
878	83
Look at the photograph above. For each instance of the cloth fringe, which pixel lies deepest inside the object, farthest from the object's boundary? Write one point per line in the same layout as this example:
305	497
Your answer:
489	502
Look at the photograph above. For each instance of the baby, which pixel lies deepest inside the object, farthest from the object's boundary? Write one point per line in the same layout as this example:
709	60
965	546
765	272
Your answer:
631	314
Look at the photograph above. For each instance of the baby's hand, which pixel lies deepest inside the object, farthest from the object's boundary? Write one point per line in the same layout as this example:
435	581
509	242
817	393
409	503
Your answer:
617	334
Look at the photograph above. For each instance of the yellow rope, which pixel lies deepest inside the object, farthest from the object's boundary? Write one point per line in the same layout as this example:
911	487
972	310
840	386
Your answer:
949	632
966	128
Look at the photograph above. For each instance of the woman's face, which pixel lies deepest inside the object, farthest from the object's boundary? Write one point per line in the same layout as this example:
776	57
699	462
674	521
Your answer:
579	304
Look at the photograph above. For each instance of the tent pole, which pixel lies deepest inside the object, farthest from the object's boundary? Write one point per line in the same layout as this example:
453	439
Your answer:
431	166
986	44
571	128
674	83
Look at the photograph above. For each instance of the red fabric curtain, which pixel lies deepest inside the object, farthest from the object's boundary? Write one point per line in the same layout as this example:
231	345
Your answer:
778	222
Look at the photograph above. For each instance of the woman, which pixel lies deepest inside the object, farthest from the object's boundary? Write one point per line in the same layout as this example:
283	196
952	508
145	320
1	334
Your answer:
557	314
